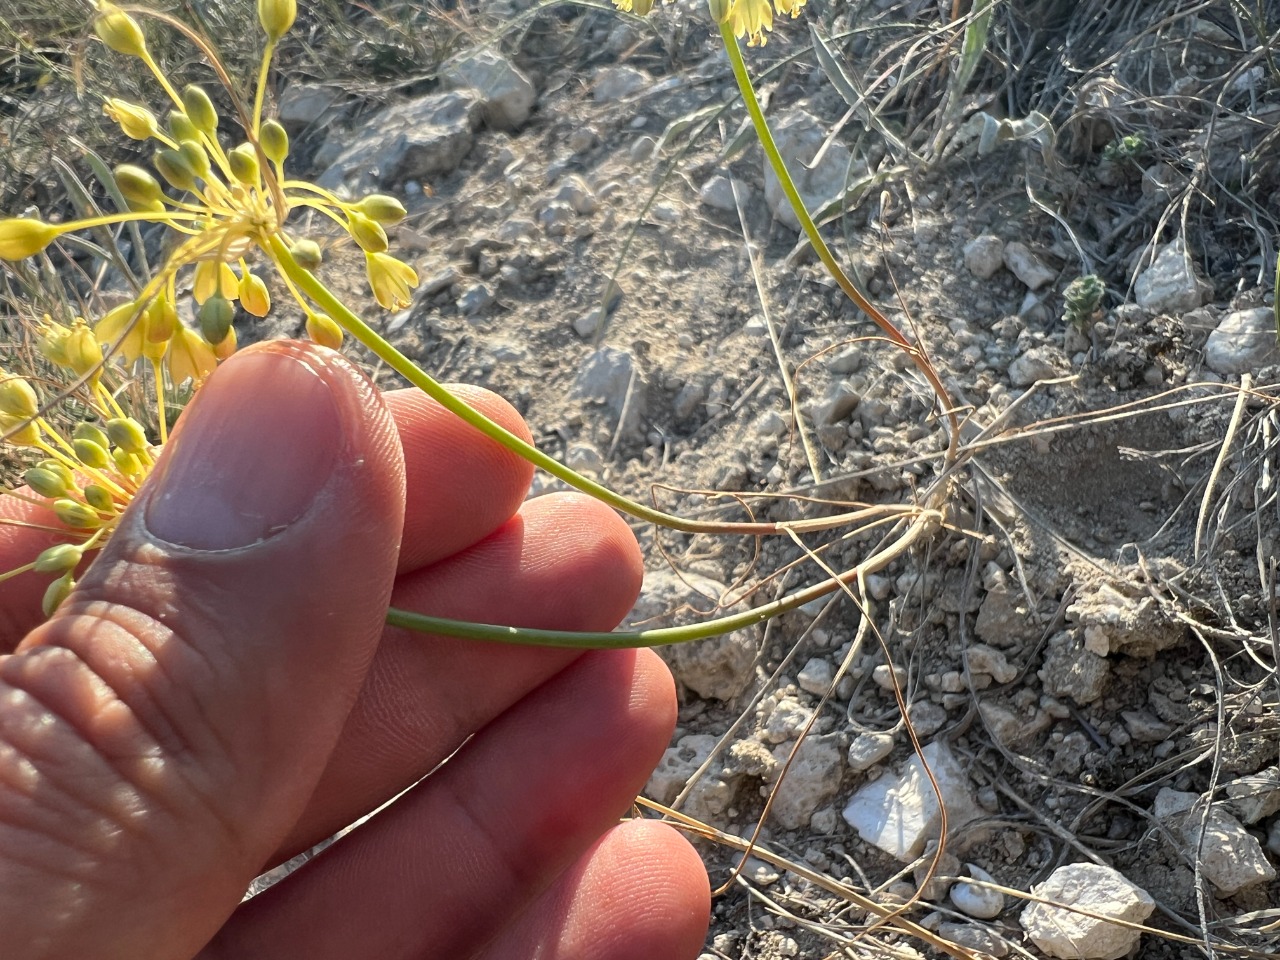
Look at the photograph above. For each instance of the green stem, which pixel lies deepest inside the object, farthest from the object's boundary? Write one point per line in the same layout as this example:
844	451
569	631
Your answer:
820	247
663	636
318	292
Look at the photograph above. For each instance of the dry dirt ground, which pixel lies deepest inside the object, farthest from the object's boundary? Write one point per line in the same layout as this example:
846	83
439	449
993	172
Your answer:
1109	541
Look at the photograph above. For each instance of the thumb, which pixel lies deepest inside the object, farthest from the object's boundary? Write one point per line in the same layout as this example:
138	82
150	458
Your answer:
161	734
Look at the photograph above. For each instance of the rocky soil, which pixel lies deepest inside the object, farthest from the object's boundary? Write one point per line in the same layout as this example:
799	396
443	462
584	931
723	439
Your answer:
1087	650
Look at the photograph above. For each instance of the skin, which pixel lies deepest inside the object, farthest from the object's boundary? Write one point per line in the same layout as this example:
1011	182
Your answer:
220	692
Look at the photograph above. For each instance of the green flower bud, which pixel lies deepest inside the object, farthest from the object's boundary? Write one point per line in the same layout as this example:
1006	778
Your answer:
307	253
60	470
22	237
244	164
200	109
641	8
386	210
77	515
127	434
719	9
126	463
274	141
91	454
100	499
45	482
367	233
89	431
138	123
18	398
215	317
182	127
174	168
194	154
59	558
276	17
119	31
57	591
137	185
324	330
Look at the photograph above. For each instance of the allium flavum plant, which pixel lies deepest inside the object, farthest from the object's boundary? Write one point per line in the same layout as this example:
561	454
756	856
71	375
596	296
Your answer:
229	204
229	208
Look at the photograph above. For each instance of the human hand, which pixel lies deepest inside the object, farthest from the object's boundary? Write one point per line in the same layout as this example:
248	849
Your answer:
220	692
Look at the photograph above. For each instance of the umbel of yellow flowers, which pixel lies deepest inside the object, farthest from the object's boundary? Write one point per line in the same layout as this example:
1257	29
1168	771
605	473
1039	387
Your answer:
225	203
748	18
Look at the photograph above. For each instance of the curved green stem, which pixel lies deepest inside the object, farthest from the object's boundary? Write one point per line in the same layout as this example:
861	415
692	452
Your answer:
663	636
317	291
820	247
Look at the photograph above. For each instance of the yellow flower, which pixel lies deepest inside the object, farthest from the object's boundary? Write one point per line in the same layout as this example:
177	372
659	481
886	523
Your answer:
213	276
789	7
751	18
138	123
190	357
122	329
390	279
22	237
254	296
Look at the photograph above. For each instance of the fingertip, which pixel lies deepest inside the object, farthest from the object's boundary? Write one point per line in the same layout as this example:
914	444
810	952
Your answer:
462	485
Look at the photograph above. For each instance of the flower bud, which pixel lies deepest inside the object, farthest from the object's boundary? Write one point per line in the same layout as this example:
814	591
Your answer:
59	558
53	342
22	237
324	330
17	397
274	141
196	158
137	185
159	320
127	434
200	109
92	432
367	233
126	463
83	352
277	16
641	8
119	31
93	455
19	431
46	482
254	296
175	169
215	317
77	515
244	164
99	497
382	208
59	470
307	253
719	9
56	592
138	123
181	127
227	347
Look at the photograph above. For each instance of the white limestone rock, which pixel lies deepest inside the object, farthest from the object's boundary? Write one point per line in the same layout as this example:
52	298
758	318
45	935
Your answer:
710	796
715	669
868	749
1100	890
1115	622
1027	267
507	94
799	136
1170	284
1244	341
812	779
898	814
984	255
